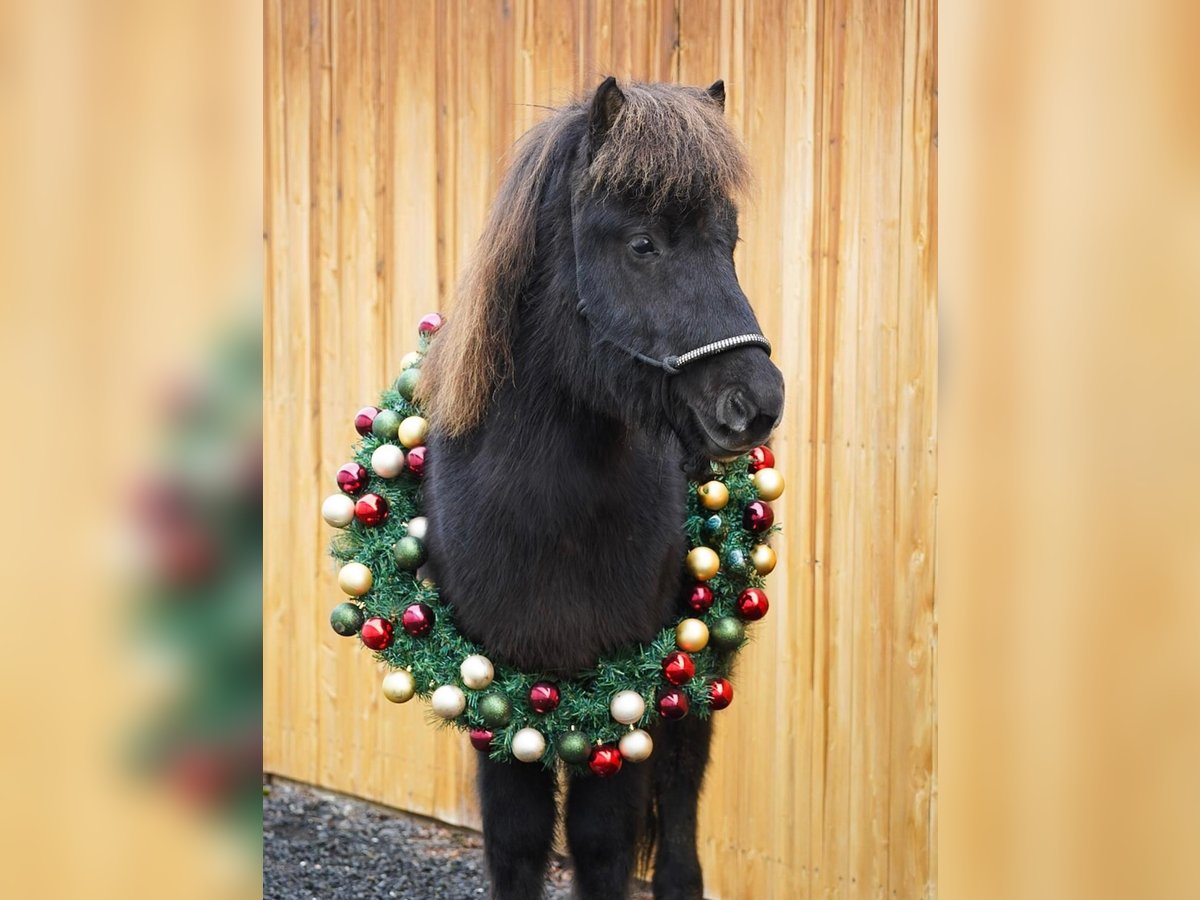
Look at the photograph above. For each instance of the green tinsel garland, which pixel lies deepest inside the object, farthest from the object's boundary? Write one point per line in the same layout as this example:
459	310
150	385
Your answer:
434	658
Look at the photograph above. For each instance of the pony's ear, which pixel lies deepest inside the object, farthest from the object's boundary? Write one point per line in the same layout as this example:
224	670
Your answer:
717	91
606	103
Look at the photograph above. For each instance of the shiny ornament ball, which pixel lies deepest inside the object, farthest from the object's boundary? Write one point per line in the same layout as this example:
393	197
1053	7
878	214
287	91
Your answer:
481	739
763	559
673	704
352	478
346	619
752	604
495	709
691	635
605	761
430	324
768	483
417	527
448	701
713	495
406	384
573	748
371	509
528	745
338	510
410	359
636	746
720	693
416	461
409	553
376	633
727	633
703	563
387	461
412	431
544	697
477	672
678	668
699	597
627	707
364	418
758	516
761	458
355	579
399	686
417	619
386	424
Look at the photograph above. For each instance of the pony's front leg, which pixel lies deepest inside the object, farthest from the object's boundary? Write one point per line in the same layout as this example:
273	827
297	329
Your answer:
680	758
603	819
518	826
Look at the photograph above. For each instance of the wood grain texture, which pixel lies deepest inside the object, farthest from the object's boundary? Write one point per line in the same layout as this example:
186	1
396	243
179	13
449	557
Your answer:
387	127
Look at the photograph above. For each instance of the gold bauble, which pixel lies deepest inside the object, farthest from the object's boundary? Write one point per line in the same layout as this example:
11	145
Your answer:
763	559
691	635
399	686
703	563
355	579
768	483
410	359
412	431
713	495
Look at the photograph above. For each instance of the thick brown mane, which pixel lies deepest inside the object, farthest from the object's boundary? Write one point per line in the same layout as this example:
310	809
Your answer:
666	142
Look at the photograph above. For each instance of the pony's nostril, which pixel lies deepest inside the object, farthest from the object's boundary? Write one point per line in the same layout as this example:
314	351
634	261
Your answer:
735	410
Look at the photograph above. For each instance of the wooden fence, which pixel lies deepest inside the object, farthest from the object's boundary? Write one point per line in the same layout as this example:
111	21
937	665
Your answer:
386	125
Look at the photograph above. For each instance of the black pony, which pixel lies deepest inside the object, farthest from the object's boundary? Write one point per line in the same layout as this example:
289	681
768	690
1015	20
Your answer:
563	431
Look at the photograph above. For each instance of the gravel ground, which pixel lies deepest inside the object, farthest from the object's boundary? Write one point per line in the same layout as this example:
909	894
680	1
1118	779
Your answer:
326	846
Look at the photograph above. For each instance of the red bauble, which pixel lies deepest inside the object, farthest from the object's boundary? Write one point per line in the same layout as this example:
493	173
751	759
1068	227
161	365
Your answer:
371	509
758	516
364	418
430	324
481	739
376	633
720	693
761	458
672	704
415	461
605	761
678	668
544	697
752	604
352	478
700	597
417	619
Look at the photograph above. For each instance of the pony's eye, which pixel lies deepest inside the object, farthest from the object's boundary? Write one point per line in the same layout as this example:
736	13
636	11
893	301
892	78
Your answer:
642	245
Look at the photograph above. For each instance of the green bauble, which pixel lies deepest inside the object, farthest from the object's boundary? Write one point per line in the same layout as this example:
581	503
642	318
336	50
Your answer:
406	384
346	619
495	709
410	553
726	633
386	424
573	747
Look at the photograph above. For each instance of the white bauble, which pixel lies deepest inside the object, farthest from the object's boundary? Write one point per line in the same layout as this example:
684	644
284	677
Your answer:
448	701
355	579
387	461
409	359
528	745
477	672
627	707
636	746
417	526
338	510
399	686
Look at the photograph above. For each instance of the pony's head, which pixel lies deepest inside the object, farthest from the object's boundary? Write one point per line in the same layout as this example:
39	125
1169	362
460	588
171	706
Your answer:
613	239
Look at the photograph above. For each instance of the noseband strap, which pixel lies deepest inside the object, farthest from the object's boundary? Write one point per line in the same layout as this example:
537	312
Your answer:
672	365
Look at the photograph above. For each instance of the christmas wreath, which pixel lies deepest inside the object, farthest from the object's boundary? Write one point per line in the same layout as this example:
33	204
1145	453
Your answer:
596	719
